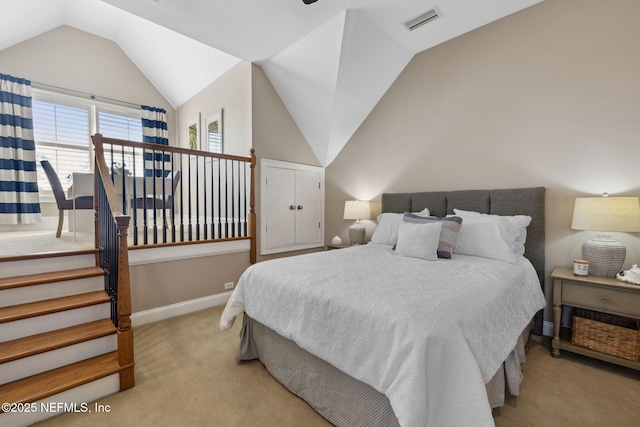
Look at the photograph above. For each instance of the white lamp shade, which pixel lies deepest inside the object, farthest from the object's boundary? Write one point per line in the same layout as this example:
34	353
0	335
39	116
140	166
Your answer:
357	209
607	214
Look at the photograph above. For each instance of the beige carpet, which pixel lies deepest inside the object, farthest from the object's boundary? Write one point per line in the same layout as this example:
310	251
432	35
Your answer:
186	375
14	243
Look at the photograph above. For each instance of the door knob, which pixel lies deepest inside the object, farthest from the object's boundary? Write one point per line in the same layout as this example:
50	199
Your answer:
299	207
292	207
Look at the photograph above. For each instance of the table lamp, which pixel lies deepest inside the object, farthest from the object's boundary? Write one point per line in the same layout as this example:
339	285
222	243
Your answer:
357	209
605	214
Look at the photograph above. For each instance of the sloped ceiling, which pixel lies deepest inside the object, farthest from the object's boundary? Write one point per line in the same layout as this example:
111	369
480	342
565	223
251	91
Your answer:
330	61
178	66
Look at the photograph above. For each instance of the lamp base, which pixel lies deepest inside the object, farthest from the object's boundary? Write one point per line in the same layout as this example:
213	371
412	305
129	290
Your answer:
356	234
605	256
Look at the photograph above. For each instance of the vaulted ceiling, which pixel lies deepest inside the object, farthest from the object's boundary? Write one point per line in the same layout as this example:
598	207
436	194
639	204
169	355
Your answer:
330	61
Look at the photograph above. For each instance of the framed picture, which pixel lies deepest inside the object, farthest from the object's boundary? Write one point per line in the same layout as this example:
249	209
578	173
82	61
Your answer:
212	137
193	131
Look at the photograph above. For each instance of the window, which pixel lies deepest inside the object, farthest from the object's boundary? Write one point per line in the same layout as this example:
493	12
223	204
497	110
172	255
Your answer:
214	136
213	133
117	126
62	128
112	124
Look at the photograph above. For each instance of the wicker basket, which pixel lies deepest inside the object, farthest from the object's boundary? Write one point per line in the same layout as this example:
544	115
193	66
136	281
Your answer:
611	319
606	338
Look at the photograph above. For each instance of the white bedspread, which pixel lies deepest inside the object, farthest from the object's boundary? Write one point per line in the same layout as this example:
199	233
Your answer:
427	334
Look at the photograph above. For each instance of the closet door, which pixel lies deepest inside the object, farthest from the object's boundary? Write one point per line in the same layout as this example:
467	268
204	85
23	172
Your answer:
280	207
292	206
308	214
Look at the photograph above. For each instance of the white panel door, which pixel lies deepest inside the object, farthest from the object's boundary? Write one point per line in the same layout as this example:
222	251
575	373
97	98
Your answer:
308	207
292	206
280	207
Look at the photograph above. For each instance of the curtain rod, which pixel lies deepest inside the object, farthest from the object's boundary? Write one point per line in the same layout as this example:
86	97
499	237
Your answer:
37	85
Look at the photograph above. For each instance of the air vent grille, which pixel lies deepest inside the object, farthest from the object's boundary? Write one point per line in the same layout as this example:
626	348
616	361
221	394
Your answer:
422	19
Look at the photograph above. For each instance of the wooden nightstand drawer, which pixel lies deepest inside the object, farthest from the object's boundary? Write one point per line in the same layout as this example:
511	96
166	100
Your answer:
596	298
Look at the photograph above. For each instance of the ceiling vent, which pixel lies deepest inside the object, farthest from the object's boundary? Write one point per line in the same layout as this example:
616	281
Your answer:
422	19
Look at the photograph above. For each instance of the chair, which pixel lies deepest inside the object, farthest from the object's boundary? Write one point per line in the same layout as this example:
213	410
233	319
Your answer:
159	201
64	204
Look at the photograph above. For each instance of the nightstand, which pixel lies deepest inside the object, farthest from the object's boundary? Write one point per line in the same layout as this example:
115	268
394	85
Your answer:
602	294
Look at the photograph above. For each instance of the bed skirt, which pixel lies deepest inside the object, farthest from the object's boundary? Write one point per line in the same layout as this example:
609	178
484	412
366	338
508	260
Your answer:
338	397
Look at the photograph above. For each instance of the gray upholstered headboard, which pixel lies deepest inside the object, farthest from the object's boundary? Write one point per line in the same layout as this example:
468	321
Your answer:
516	201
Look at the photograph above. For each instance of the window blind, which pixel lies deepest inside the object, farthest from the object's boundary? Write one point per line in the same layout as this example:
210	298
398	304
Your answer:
62	131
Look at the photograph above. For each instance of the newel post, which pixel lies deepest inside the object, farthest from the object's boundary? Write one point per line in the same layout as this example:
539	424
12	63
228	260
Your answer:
125	331
252	210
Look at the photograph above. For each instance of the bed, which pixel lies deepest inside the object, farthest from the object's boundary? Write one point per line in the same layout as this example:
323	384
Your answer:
384	335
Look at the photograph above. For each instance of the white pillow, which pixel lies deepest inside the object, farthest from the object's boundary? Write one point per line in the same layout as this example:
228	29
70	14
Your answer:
387	231
520	221
487	237
388	224
419	240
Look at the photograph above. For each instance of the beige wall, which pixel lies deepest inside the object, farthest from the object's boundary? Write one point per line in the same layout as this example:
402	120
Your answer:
68	58
160	284
72	59
275	136
549	96
231	93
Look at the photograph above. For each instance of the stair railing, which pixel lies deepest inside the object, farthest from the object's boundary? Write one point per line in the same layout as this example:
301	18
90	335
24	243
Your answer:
150	195
111	228
177	196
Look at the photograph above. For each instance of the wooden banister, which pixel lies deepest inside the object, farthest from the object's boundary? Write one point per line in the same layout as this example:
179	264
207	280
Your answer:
125	332
111	240
102	171
168	148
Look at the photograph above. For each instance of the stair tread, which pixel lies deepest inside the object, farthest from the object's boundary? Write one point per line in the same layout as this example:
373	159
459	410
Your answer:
46	341
40	386
49	277
38	308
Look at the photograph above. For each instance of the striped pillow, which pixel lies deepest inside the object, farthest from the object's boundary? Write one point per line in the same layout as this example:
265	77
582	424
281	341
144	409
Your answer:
448	233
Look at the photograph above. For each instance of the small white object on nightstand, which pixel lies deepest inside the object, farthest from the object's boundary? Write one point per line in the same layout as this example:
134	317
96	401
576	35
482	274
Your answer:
631	276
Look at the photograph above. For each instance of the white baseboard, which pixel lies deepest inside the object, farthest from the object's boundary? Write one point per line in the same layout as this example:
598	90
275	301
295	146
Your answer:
178	309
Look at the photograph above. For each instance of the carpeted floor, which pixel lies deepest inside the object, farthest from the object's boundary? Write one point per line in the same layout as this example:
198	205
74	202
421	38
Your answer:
17	243
14	243
186	375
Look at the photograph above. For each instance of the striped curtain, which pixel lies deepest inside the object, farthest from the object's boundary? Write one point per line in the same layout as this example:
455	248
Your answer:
19	203
154	131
